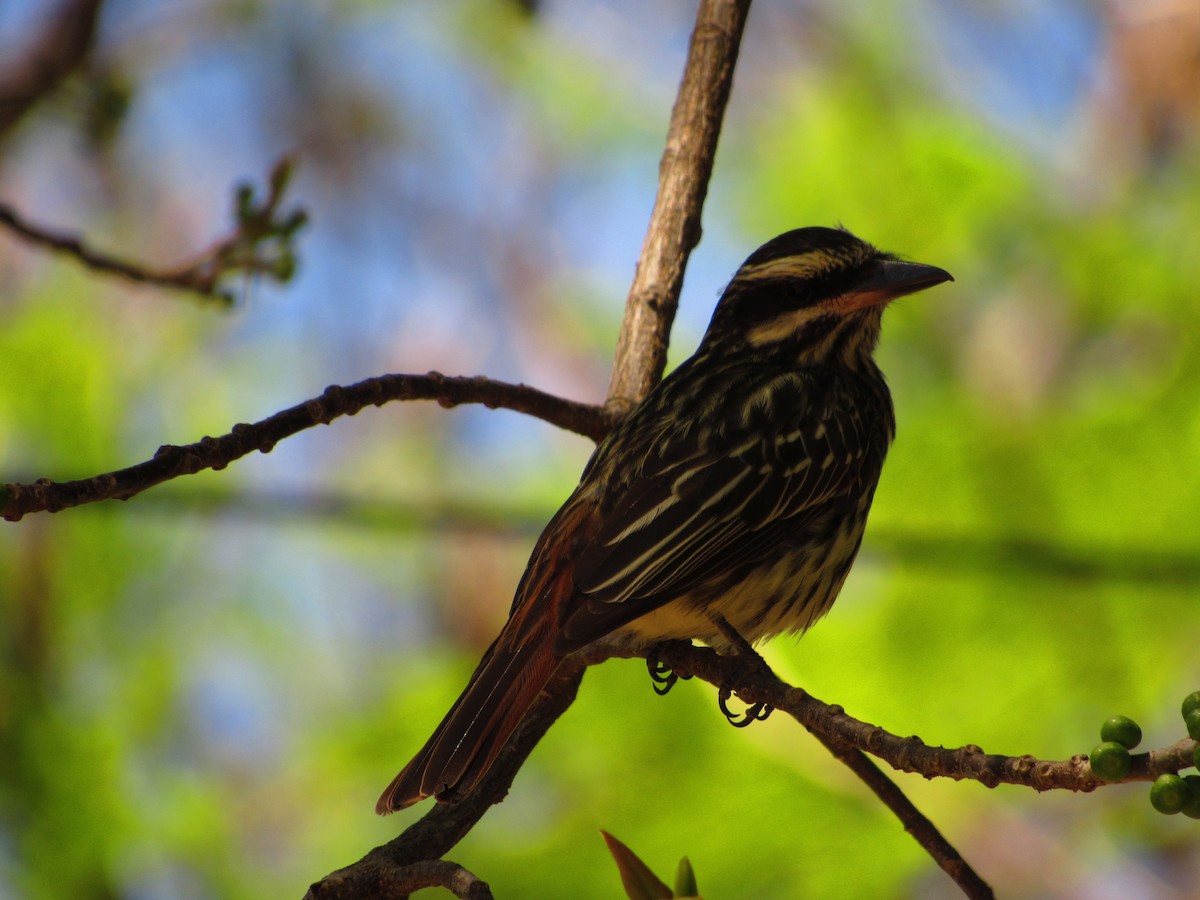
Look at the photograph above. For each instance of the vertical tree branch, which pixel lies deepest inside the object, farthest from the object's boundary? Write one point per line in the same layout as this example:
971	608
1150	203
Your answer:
683	176
640	358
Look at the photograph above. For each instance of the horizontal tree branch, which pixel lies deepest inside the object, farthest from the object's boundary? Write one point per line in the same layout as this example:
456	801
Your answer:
44	495
73	245
754	683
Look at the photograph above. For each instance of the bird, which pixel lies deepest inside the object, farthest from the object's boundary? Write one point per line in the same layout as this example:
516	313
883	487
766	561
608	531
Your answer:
733	496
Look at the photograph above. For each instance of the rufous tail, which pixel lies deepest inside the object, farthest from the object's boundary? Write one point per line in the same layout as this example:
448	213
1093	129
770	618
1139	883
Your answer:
462	749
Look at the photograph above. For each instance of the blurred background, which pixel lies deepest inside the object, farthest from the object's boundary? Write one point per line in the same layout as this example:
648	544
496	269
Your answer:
203	691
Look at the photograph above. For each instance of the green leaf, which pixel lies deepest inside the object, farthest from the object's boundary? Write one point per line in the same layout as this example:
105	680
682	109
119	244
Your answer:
685	879
640	883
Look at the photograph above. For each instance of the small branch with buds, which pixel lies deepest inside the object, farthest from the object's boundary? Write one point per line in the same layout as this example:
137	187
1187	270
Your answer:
262	243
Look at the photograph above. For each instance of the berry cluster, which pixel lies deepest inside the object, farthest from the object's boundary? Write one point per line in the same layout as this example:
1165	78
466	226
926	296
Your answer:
1170	793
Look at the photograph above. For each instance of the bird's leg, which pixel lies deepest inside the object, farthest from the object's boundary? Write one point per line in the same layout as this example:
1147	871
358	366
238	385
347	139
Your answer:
731	634
661	674
756	712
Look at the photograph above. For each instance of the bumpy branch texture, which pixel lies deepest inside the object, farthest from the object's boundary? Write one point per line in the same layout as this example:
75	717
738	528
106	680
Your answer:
754	683
215	453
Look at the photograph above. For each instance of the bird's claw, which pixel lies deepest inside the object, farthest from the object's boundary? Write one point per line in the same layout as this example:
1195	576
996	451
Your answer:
756	712
663	676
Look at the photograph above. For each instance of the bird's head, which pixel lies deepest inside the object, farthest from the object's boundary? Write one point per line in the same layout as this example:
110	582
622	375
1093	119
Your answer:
813	294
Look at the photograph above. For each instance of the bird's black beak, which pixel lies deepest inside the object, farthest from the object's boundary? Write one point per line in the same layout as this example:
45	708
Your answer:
891	279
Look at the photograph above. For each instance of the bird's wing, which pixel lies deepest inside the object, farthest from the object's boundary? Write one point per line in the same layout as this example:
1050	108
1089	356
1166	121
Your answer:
699	507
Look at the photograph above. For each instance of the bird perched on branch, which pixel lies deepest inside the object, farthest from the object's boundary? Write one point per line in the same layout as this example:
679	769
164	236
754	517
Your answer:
737	492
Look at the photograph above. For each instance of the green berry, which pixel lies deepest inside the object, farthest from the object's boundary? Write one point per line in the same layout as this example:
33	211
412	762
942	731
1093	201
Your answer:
1123	730
1168	794
1192	721
1191	804
1190	702
1196	757
1110	761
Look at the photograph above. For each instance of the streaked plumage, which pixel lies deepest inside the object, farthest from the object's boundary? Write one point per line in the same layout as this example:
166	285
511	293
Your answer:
739	486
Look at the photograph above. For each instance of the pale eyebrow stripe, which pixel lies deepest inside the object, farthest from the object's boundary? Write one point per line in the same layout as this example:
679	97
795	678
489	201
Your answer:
784	267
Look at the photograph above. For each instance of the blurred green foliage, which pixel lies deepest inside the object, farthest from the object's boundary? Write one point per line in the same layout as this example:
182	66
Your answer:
202	692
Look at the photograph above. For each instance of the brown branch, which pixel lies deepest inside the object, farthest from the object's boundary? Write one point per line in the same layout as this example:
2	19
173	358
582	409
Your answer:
683	177
640	358
754	684
914	821
182	278
444	825
260	245
397	882
64	43
172	461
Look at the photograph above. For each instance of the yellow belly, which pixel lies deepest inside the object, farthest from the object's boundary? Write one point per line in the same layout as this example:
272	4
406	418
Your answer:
788	595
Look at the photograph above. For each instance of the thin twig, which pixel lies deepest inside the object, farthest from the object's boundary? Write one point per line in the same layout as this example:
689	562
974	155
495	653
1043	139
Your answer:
674	228
259	245
181	278
172	461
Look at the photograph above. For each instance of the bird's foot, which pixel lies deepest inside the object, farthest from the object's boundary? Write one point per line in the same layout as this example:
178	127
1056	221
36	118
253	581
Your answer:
755	712
662	675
